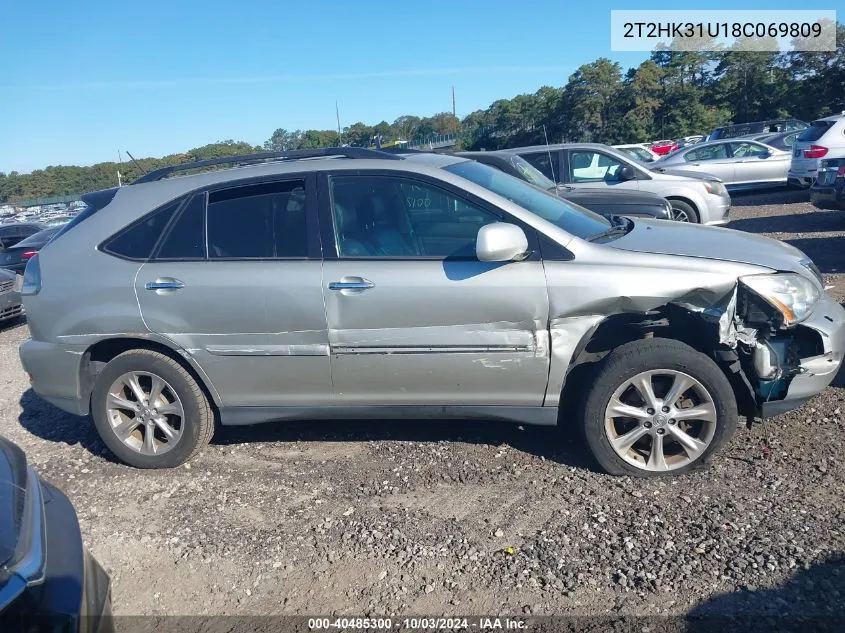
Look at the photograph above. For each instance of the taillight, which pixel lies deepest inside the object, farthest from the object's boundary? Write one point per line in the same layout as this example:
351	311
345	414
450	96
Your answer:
815	151
28	255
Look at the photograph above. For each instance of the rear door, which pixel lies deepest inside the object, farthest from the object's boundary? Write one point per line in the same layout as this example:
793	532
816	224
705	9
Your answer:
414	318
808	150
710	159
236	282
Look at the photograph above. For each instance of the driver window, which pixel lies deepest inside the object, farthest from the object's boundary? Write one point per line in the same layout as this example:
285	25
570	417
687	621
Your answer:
386	216
587	166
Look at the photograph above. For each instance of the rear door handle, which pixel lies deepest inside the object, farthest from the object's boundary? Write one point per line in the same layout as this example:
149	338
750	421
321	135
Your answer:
351	283
164	283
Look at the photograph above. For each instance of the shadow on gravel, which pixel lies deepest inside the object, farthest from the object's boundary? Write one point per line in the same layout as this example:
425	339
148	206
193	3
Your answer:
552	443
826	252
811	600
11	324
769	196
44	420
813	222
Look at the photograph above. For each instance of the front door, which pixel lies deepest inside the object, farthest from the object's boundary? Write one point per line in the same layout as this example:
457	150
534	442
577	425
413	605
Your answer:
414	318
587	168
235	284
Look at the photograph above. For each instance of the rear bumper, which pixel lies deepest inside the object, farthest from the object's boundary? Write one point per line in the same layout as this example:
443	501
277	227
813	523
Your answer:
819	371
55	372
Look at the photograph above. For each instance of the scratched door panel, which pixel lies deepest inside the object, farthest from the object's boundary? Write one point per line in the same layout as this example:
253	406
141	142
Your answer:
438	332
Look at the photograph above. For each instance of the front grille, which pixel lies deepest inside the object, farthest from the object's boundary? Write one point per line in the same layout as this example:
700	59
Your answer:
10	313
6	285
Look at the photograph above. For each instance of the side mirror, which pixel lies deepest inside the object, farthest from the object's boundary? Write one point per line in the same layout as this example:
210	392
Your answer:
501	242
627	173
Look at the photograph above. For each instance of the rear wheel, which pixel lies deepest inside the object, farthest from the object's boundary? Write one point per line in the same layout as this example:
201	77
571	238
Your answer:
657	406
150	411
683	211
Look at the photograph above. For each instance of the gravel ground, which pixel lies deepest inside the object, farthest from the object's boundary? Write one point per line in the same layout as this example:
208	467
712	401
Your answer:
474	518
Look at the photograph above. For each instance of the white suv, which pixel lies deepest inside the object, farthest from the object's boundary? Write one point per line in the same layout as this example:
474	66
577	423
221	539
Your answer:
823	137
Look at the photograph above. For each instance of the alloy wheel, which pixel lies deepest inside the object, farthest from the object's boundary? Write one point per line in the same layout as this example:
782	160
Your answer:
145	413
660	420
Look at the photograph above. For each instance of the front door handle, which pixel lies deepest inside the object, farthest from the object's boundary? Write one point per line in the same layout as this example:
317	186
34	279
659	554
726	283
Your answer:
352	283
164	283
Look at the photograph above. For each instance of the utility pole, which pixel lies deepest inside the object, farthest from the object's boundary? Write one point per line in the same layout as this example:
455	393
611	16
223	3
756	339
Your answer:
454	115
339	135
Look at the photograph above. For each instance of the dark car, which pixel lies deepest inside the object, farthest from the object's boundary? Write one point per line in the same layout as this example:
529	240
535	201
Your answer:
778	140
828	192
15	257
11	234
48	580
756	127
604	201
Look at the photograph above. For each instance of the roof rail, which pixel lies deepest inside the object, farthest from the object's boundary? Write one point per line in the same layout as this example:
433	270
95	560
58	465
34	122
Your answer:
293	154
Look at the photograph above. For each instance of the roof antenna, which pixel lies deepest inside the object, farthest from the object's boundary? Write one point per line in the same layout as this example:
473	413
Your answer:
548	151
136	163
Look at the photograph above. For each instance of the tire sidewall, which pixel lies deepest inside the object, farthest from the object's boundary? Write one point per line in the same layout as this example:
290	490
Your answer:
155	364
614	373
686	208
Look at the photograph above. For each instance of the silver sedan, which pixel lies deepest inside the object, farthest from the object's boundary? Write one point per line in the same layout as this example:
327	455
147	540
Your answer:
739	163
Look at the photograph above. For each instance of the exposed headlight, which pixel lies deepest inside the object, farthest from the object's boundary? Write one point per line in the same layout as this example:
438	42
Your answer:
714	187
794	296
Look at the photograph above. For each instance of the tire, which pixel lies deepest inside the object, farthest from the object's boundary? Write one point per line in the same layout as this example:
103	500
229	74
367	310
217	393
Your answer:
678	362
682	209
193	426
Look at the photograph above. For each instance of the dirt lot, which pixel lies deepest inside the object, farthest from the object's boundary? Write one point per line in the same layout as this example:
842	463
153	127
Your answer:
420	517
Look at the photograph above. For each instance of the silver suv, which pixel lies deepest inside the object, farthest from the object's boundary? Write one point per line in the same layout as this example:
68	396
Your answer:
694	196
350	283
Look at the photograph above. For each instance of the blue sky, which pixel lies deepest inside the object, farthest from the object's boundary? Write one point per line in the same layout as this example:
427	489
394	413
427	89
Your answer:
80	80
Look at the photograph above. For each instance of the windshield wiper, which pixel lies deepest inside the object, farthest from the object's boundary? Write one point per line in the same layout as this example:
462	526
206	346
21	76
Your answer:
620	227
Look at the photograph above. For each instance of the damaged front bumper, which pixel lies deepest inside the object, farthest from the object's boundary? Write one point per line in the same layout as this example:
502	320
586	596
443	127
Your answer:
813	373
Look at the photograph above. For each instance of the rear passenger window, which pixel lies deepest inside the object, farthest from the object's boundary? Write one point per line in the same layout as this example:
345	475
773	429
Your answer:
186	238
137	240
546	162
260	221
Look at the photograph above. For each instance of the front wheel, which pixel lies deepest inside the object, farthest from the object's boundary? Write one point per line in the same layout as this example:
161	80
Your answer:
657	406
150	411
683	211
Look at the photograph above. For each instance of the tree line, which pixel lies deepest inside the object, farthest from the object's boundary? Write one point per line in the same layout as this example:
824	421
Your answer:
669	95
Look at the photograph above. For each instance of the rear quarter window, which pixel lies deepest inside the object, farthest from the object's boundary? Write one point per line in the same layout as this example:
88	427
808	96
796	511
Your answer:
137	240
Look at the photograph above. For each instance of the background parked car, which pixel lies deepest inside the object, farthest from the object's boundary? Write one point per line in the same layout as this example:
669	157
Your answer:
639	151
756	127
828	192
739	163
694	196
10	298
48	579
778	140
605	201
15	258
661	148
11	234
821	137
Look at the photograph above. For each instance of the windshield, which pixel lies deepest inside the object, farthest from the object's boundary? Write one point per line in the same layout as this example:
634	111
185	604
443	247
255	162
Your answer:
574	220
532	174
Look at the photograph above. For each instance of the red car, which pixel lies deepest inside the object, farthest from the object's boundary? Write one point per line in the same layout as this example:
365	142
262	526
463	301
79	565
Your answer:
664	147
